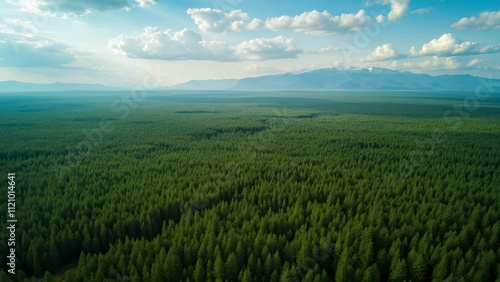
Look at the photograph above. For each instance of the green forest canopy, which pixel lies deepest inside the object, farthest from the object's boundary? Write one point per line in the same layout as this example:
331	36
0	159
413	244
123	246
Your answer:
253	187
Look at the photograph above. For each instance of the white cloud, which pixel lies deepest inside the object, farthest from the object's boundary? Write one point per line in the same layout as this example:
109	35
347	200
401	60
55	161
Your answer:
213	20
17	27
422	11
329	49
189	45
380	18
315	22
476	64
20	46
78	7
33	53
485	21
434	63
383	53
144	3
449	45
169	45
448	63
398	8
267	48
437	63
473	62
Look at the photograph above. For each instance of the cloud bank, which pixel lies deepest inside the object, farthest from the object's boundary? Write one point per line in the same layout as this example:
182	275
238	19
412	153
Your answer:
422	11
398	8
213	20
314	22
266	49
21	47
78	7
448	45
186	44
485	21
383	53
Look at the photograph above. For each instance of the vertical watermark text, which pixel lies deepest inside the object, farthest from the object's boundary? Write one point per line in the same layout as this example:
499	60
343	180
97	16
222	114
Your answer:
11	223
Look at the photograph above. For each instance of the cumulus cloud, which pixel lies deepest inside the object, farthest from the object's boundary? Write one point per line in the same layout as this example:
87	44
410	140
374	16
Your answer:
17	27
485	21
213	20
153	43
144	3
330	49
380	18
449	63
186	44
473	63
422	11
398	8
267	48
21	47
449	45
78	7
437	63
383	53
315	22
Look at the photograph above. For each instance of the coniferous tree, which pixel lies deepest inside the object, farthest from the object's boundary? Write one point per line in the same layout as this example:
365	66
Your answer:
247	275
199	271
231	268
219	268
172	266
47	277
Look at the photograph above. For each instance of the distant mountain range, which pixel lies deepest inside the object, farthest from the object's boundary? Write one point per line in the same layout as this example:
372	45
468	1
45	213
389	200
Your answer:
343	79
321	79
16	86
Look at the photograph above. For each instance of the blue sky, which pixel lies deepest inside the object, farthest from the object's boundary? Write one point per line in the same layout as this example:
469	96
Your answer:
119	42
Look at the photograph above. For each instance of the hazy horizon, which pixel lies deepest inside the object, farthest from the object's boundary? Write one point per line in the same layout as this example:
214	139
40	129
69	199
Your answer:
119	43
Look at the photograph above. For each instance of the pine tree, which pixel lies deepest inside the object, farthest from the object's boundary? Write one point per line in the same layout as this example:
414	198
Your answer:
157	272
277	265
87	241
441	270
268	267
371	274
275	276
146	276
81	269
232	268
47	277
344	270
247	275
172	266
259	271
418	268
309	277
219	268
366	249
199	271
398	269
38	267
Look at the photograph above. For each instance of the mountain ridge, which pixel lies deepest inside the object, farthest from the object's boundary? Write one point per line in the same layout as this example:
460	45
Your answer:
18	86
372	78
350	78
